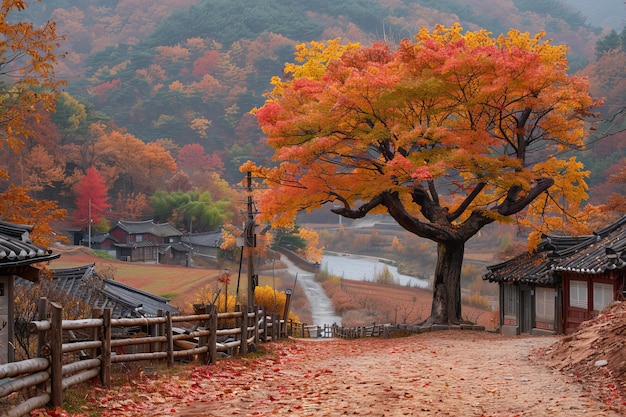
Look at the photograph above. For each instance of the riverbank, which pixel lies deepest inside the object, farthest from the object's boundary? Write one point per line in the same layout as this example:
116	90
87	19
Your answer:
367	268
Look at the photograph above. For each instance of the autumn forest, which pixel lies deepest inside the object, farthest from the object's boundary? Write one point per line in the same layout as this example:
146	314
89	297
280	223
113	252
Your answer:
152	99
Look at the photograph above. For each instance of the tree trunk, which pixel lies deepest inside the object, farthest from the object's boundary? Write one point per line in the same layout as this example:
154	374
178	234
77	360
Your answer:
446	307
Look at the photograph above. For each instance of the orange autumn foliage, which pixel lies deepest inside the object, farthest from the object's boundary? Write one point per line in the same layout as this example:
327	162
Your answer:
28	62
447	133
16	206
451	116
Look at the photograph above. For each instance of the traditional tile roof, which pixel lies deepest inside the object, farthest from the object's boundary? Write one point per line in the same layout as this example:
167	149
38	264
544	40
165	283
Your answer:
84	283
148	226
606	252
584	254
101	237
212	239
177	246
16	248
523	269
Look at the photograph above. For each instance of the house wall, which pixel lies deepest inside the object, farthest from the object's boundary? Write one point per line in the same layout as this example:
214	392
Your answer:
6	319
119	234
509	309
209	251
578	306
528	309
144	254
174	257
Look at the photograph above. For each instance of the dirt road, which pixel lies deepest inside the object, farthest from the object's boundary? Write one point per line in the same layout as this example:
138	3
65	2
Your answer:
446	373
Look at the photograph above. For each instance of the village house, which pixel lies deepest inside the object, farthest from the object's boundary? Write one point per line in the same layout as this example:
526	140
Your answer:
18	256
101	241
566	281
205	244
146	241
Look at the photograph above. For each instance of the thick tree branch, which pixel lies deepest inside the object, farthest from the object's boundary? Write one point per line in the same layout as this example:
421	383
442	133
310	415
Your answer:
512	204
468	200
430	207
360	212
436	229
433	192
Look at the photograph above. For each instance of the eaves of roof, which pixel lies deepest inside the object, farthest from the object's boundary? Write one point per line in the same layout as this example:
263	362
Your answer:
528	268
594	258
16	248
579	254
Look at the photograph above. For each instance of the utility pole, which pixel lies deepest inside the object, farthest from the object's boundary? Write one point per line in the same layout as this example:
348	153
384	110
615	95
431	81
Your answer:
90	223
250	243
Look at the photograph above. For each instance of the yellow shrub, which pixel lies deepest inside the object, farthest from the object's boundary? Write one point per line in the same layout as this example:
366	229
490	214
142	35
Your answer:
272	300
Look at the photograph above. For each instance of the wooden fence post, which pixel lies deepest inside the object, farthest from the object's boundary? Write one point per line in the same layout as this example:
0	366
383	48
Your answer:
105	354
279	327
274	326
96	332
170	339
42	314
203	340
256	325
264	312
243	347
56	355
213	336
160	331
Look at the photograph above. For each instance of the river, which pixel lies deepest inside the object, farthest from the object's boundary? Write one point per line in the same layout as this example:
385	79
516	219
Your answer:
361	268
353	267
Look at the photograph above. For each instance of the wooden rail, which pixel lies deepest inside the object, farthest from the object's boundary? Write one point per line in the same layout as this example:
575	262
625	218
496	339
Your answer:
63	363
375	330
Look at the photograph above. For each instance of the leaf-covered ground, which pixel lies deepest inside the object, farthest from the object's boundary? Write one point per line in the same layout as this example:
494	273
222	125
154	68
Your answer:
447	373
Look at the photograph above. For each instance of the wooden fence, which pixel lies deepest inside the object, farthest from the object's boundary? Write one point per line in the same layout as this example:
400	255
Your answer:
375	330
333	330
65	359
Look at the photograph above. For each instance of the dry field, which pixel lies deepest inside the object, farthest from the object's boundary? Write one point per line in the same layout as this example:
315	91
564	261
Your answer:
399	304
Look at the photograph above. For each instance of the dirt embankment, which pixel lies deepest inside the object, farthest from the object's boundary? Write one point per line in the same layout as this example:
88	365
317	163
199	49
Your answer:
595	355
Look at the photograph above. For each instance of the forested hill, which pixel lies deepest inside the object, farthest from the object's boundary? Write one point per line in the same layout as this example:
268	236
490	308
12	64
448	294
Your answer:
189	71
605	13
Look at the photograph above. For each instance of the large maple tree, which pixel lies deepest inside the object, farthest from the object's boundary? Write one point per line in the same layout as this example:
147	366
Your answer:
446	133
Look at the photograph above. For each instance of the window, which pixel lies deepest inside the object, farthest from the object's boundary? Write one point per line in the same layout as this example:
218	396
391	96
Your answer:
602	295
138	238
544	304
510	300
578	294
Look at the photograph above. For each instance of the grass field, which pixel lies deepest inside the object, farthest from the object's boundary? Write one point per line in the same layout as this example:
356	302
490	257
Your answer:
180	284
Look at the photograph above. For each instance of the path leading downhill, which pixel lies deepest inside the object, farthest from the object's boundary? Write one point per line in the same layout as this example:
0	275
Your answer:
322	310
447	373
